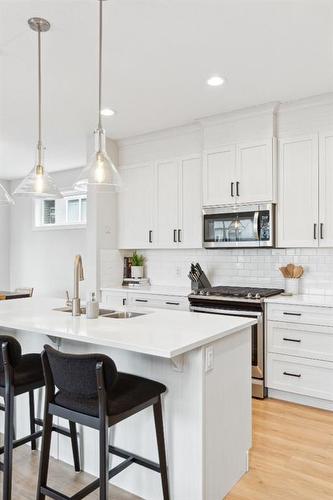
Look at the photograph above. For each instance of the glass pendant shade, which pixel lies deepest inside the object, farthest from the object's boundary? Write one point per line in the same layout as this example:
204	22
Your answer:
38	183
100	170
5	198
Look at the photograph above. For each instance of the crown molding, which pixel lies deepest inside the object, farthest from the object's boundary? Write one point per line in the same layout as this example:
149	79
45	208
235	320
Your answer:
269	108
307	102
158	135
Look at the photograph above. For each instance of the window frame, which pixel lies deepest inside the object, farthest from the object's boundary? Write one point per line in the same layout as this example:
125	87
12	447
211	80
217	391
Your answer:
38	207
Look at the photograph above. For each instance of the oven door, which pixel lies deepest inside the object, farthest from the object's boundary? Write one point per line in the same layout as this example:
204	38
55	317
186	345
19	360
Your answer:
230	228
257	334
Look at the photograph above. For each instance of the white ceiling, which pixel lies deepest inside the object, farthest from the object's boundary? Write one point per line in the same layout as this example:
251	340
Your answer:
158	55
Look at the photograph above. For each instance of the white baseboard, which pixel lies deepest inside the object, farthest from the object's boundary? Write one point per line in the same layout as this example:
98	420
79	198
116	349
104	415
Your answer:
300	399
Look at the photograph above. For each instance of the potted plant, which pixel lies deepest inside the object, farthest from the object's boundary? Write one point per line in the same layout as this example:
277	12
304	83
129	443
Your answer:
137	265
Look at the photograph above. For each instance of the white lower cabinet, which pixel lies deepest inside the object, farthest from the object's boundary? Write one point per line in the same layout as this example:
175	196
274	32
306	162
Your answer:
299	356
134	298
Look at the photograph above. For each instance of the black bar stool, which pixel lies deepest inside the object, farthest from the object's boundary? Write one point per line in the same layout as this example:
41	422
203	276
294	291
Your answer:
20	374
91	392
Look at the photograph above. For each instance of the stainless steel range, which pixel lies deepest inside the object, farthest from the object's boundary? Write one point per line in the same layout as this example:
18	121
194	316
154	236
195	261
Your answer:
240	301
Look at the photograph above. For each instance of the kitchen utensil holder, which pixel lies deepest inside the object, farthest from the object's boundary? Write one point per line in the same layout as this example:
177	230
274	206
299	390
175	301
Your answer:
292	286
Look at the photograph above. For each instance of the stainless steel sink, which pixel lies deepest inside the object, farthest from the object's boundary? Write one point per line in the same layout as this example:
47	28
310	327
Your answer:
123	315
68	309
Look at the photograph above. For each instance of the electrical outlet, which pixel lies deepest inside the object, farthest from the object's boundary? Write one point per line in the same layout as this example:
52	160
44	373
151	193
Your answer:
209	364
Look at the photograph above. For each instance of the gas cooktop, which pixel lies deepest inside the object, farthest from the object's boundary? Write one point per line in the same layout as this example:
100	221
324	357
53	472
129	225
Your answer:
236	292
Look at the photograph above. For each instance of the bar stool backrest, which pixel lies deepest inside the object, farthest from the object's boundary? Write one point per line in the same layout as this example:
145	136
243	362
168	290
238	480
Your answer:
14	350
76	373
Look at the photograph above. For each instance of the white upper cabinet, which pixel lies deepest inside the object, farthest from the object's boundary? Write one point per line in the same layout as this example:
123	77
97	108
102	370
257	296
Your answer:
167	199
326	190
219	172
255	172
242	173
136	207
161	205
298	192
190	214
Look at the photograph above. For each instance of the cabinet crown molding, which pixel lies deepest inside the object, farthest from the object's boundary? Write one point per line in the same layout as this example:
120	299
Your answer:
270	108
158	135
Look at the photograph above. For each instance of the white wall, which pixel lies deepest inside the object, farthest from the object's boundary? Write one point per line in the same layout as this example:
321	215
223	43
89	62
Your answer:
43	259
4	243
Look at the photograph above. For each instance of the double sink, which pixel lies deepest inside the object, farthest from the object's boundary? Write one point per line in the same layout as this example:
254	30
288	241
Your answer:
105	313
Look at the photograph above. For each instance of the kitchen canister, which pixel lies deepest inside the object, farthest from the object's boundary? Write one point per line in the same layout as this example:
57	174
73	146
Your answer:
292	286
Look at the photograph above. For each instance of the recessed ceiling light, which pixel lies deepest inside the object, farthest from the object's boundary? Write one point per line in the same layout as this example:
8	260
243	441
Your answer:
215	81
107	112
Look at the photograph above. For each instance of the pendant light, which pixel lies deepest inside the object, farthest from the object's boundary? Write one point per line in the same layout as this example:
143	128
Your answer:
100	170
5	198
38	183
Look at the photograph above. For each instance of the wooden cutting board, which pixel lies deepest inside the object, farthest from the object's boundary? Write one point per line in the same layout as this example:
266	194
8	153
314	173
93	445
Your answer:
2	297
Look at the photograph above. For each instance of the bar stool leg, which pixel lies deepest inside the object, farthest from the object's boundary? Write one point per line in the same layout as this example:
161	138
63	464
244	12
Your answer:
44	456
8	451
103	459
32	418
75	446
161	448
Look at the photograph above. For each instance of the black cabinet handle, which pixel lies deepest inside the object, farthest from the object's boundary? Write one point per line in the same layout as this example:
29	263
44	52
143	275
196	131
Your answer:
232	189
298	375
179	235
237	188
314	231
292	314
141	300
321	231
175	235
150	236
124	302
292	340
173	303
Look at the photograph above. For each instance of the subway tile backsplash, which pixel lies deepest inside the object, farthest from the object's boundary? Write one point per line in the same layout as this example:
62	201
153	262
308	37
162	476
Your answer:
243	267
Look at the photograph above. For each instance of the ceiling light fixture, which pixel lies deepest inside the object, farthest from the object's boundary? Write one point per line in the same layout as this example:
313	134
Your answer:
100	170
38	183
215	81
108	112
5	198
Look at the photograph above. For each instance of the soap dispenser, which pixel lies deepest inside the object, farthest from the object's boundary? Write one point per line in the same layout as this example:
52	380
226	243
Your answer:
92	307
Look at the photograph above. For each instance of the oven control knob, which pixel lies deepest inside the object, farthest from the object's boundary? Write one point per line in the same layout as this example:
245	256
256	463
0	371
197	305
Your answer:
202	292
258	296
249	295
207	293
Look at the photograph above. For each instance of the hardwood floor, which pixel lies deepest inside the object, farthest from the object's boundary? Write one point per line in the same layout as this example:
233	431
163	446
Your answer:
292	458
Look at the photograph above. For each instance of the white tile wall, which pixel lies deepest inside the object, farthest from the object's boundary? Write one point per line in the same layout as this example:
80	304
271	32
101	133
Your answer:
248	267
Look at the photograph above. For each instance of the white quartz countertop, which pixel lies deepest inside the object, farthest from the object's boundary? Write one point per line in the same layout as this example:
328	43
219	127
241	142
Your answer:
161	332
302	300
153	289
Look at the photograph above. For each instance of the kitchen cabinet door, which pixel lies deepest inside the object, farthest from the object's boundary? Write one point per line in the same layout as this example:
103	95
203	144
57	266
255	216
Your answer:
167	202
298	192
255	172
326	190
136	208
219	176
190	211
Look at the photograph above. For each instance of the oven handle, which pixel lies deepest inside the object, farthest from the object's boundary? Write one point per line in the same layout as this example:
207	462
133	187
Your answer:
228	312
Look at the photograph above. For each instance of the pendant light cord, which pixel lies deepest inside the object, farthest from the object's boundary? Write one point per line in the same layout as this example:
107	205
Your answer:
100	65
39	144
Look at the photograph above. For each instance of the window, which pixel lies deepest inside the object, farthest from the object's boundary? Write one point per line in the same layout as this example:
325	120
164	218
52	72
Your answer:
68	211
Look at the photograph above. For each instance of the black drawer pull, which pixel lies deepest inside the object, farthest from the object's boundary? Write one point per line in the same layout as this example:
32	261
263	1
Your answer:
237	188
175	235
292	314
141	300
297	375
292	340
150	236
173	303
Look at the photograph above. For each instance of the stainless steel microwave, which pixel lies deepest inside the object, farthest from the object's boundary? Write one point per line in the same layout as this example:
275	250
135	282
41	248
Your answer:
239	226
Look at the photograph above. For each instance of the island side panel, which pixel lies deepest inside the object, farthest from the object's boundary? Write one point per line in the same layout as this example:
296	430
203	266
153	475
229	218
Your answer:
228	413
183	419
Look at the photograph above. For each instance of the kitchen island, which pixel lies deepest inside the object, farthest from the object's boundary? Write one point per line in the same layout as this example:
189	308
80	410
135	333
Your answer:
205	362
